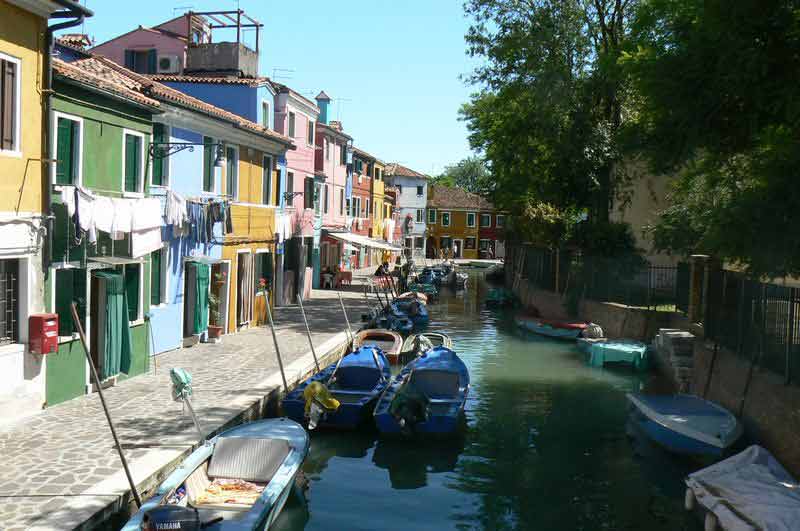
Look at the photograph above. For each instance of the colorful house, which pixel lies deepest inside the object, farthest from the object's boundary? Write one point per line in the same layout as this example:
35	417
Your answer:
491	232
361	204
412	198
23	219
452	229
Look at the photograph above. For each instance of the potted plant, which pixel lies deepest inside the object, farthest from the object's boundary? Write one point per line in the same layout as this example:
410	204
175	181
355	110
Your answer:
262	292
214	326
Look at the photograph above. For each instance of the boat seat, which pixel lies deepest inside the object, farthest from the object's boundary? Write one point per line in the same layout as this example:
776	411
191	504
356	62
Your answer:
436	384
357	378
254	460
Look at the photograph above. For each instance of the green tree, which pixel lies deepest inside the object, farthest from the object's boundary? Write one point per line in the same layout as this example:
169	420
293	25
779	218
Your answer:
550	104
471	174
718	102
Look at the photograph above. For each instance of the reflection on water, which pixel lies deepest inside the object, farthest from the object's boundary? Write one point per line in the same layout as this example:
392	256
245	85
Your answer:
545	448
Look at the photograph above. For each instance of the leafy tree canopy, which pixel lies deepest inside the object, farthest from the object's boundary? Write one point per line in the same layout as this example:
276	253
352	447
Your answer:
718	100
471	174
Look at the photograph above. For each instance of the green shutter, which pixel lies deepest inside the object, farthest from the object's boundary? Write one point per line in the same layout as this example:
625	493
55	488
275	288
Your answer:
230	172
159	162
152	61
208	164
155	278
64	296
133	145
130	59
132	290
66	136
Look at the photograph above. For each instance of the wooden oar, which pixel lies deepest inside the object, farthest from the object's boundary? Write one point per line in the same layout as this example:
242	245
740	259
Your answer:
96	379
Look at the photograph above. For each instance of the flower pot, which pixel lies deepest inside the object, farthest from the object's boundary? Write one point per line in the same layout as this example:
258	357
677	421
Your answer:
214	332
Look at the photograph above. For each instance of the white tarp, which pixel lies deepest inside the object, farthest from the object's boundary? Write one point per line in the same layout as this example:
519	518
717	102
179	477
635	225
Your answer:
749	491
363	241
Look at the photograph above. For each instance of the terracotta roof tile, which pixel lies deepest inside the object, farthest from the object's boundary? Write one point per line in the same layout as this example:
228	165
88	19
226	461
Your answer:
363	154
221	80
446	197
115	84
401	171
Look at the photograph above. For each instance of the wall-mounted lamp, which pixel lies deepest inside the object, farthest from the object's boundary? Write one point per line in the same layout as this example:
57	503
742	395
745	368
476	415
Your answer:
162	150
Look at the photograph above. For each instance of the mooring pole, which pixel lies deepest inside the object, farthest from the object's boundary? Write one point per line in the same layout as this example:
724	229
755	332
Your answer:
308	331
346	320
96	379
277	348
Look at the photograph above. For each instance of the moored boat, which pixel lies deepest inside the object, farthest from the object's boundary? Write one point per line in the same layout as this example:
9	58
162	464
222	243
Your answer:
238	480
345	391
389	341
551	327
427	397
599	353
416	344
414	295
414	309
685	424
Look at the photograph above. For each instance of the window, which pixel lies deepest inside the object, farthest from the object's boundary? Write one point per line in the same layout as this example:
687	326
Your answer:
370	169
9	301
263	269
409	242
309	243
378	174
325	200
133	285
367	211
418	242
341	202
266	180
310	137
209	156
470	219
399	189
327	147
141	61
69	149
232	172
358	166
290	183
308	193
69	286
486	220
160	162
446	242
318	198
445	219
265	114
133	162
420	215
420	191
431	216
290	126
469	243
500	221
343	154
158	276
9	103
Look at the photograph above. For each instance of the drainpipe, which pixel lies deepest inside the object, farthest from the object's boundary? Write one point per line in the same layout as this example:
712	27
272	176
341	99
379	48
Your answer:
76	13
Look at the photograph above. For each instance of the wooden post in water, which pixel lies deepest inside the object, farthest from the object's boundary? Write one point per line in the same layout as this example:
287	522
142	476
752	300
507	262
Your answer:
277	348
96	380
308	331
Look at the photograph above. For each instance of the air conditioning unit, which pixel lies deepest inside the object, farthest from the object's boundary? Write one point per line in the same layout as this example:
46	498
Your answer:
168	64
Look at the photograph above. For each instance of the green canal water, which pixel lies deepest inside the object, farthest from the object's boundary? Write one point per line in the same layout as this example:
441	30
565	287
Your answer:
545	448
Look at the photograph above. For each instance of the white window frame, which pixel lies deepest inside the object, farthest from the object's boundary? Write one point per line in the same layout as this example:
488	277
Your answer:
466	239
497	221
432	211
17	151
79	178
449	218
342	203
318	198
311	131
367	207
54	272
488	244
167	165
326	196
489	224
420	217
266	178
141	179
265	110
214	169
423	190
165	258
327	147
234	196
474	219
140	308
291	122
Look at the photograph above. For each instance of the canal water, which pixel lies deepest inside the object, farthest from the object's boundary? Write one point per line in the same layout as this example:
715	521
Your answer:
545	448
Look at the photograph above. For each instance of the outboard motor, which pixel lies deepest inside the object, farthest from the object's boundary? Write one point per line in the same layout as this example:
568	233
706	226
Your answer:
171	517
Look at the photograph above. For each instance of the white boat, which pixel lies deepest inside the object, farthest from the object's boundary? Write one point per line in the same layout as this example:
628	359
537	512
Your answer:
239	480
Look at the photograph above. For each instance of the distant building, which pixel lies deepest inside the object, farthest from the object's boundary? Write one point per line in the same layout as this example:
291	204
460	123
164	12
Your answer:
452	229
412	198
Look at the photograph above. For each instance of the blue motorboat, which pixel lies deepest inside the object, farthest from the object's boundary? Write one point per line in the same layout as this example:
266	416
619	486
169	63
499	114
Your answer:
427	397
685	424
413	309
397	322
238	480
355	382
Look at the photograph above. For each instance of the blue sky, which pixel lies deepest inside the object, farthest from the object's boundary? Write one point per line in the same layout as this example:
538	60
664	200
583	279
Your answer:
391	66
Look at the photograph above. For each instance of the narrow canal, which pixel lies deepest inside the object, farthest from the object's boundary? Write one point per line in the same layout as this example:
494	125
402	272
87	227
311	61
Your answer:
545	448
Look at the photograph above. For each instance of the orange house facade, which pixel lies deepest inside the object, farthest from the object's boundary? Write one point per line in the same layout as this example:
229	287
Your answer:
452	223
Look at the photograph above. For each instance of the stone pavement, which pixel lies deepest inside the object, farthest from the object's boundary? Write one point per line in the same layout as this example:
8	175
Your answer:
59	467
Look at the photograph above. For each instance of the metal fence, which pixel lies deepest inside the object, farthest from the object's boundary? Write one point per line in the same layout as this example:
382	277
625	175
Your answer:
9	301
628	282
756	320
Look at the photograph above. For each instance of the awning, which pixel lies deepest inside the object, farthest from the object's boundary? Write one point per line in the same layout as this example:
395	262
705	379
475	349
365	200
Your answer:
363	241
102	262
202	259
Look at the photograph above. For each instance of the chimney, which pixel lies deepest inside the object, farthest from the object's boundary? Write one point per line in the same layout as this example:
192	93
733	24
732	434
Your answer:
336	125
322	102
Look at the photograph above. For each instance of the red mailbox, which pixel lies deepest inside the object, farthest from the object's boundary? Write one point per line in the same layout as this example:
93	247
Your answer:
43	333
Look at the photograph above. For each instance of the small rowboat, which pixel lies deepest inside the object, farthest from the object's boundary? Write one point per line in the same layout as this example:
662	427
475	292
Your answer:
238	480
551	328
685	424
355	382
427	397
416	344
388	341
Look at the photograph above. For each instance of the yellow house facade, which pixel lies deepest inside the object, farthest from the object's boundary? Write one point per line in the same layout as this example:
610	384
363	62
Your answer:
250	180
452	223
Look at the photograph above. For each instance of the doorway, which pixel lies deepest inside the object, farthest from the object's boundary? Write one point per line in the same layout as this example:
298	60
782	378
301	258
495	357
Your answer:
244	292
220	295
458	246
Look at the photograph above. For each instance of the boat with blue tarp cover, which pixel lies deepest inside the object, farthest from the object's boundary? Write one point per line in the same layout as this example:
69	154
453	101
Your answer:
427	397
600	352
685	424
238	480
415	310
343	394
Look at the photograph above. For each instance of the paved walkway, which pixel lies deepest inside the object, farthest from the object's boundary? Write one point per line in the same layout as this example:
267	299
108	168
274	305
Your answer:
60	467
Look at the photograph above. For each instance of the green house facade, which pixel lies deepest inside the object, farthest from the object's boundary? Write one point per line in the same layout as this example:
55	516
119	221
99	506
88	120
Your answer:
101	138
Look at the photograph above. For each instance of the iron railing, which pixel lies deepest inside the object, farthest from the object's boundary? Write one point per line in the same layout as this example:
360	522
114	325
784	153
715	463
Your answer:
9	301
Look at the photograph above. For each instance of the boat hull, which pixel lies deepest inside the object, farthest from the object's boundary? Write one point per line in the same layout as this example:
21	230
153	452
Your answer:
543	329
